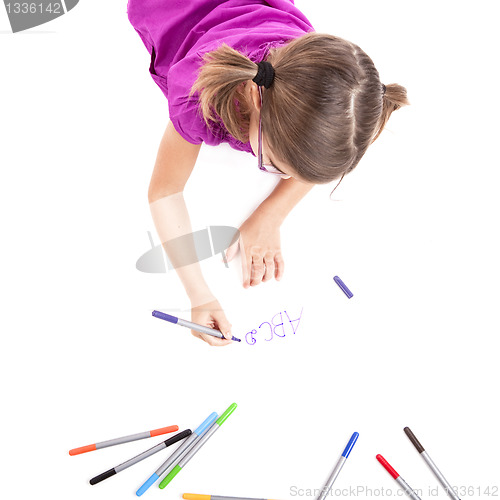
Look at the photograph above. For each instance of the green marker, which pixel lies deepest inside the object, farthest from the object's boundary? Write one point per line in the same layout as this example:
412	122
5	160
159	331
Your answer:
215	426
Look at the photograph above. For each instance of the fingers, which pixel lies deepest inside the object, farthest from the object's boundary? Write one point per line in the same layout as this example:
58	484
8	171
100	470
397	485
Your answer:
258	266
258	270
222	324
269	267
212	316
213	341
279	266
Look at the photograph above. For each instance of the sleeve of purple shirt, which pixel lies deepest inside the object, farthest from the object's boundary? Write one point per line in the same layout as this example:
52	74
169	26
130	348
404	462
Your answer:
178	33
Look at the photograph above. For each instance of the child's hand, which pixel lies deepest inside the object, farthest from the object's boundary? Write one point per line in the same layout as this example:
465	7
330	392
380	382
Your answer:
211	315
260	246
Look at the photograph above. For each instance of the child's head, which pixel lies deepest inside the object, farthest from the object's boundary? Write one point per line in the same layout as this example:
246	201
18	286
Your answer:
326	104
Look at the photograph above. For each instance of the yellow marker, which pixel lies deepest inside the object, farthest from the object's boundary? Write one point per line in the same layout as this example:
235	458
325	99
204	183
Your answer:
194	496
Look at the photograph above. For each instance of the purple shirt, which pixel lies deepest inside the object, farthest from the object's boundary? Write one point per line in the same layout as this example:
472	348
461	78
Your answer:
178	32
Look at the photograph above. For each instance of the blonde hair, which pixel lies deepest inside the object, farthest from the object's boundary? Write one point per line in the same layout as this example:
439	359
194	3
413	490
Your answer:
325	107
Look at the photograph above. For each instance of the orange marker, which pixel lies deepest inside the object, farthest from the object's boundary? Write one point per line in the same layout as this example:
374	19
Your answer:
125	439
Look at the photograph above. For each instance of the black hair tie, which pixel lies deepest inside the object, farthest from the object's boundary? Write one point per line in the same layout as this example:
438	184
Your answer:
384	88
265	74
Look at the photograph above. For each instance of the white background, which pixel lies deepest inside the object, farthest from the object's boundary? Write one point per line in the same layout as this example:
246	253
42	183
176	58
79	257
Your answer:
413	231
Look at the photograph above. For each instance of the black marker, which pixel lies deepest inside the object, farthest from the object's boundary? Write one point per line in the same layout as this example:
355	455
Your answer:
141	456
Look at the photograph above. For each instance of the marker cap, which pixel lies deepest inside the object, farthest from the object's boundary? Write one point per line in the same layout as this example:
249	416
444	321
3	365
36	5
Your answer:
170	476
82	449
165	316
102	477
164	430
178	437
350	444
206	424
152	480
226	414
387	466
343	287
194	496
414	440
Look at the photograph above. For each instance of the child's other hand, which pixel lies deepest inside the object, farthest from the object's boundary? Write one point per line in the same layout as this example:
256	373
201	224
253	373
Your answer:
211	315
260	247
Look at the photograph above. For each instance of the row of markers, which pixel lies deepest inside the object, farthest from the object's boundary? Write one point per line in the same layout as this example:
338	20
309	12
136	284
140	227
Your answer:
194	440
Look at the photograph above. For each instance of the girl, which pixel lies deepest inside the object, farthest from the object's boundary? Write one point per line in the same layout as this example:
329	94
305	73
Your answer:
255	74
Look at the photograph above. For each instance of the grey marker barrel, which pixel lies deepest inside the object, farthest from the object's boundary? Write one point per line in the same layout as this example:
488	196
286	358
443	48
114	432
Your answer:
326	489
444	483
192	452
141	456
155	449
213	497
178	453
407	488
200	328
124	439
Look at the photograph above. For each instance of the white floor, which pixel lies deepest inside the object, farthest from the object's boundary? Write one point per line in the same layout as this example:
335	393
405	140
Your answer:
413	232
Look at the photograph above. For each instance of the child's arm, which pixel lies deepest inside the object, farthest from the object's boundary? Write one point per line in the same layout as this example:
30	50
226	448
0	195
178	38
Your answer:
174	163
284	197
259	241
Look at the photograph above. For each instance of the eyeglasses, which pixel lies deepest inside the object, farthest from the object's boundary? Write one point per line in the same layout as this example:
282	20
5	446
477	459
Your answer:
266	167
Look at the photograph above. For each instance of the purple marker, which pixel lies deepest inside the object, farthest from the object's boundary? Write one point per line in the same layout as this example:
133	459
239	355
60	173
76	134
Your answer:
192	326
342	286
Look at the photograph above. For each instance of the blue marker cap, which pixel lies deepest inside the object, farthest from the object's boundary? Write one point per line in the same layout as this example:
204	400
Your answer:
206	424
350	444
166	317
152	480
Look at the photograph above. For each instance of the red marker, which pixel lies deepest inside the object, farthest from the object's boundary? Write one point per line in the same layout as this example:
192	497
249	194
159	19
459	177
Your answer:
398	478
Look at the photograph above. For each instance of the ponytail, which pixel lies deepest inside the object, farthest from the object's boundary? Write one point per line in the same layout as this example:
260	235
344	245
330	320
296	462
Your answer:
219	83
325	107
394	98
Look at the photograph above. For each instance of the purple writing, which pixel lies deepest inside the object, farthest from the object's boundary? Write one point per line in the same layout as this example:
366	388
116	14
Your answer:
278	326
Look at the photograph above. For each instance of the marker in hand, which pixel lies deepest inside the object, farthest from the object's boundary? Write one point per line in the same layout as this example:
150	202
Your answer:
192	326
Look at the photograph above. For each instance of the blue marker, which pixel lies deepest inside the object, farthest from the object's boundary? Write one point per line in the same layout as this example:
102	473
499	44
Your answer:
179	453
328	486
192	326
342	286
